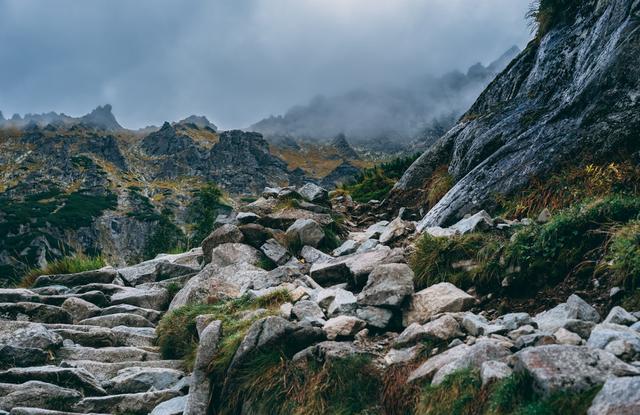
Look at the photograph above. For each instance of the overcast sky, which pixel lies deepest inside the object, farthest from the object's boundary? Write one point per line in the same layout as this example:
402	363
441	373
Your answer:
235	61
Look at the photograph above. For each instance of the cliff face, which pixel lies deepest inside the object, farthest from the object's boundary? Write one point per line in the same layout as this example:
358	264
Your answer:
574	92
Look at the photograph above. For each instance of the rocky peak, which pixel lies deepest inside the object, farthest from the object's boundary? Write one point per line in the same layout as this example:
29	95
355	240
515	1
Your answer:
166	141
102	118
344	148
199	121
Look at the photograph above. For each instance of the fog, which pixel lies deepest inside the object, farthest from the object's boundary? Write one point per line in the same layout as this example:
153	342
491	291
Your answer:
235	61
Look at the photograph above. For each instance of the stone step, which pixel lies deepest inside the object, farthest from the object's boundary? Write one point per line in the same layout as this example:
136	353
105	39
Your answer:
73	378
151	315
34	312
37	394
39	411
94	336
155	299
106	354
143	379
107	371
21	295
127	403
105	276
99	337
118	319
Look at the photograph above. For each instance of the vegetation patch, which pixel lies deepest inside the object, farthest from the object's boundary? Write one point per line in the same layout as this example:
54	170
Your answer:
548	14
202	212
66	265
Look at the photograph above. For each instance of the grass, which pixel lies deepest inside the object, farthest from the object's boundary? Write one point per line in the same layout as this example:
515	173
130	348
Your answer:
441	182
177	336
66	265
624	255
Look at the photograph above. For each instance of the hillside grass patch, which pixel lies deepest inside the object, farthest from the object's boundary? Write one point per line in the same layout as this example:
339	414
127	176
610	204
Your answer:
66	265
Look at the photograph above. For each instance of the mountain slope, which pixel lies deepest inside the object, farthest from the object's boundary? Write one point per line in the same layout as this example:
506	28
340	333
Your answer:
573	94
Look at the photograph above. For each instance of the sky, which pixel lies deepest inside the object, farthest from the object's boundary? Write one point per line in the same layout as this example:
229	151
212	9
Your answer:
235	61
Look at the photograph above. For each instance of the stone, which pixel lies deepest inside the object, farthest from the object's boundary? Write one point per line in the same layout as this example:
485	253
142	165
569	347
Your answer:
395	356
198	399
231	281
286	311
143	379
438	232
106	354
247	217
429	368
103	371
479	326
618	396
368	245
414	333
556	368
443	328
226	234
36	394
79	308
387	285
564	336
574	309
155	299
149	314
28	335
513	321
439	298
544	216
76	378
312	255
12	356
479	222
343	327
255	234
580	327
119	319
232	254
619	315
18	295
374	231
494	370
375	317
336	301
347	248
314	193
101	276
472	358
127	403
275	252
395	230
175	406
192	258
308	311
305	232
35	312
621	340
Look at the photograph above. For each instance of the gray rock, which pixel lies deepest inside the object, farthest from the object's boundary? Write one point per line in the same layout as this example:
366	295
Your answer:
36	394
343	327
438	232
479	326
119	319
247	217
255	234
429	368
411	335
395	230
306	232
275	252
28	335
564	336
105	371
143	379
102	276
12	356
472	358
624	340
35	312
619	396
494	370
558	368
574	309
127	403
619	315
154	270
228	282
232	254
311	255
347	248
479	222
314	193
443	328
226	234
368	245
512	321
374	231
149	314
375	317
336	301
308	311
106	354
76	378
395	356
388	285
155	299
79	308
18	295
175	406
438	298
198	399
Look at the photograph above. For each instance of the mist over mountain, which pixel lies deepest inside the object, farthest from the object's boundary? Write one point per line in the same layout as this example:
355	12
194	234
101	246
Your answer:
101	118
420	109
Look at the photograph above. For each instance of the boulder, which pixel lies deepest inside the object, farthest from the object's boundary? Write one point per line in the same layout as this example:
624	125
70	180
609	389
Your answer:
376	318
228	282
564	336
560	368
308	311
18	295
130	403
374	231
574	309
343	327
618	396
387	285
36	394
472	358
479	222
429	368
494	370
255	234
395	230
12	356
101	276
619	315
622	341
275	252
311	255
439	298
438	232
314	193
347	248
175	406
143	379
368	245
155	299
247	217
35	312
305	232
106	354
76	378
28	335
479	326
154	270
119	319
79	308
226	234
336	301
149	314
233	254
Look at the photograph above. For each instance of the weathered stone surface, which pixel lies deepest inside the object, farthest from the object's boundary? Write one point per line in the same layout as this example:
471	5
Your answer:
574	308
479	326
564	336
311	255
35	312
308	311
78	379
127	403
429	368
155	299
472	358
438	232
275	252
619	396
442	329
347	248
343	327
198	399
79	308
374	231
36	394
154	270
375	317
619	315
143	379
97	337
104	371
494	370
149	314
439	298
18	295
622	341
192	258
314	193
336	301
388	285
255	234
28	335
478	222
368	245
119	319
306	232
106	354
175	406
556	368
395	356
232	254
226	234
218	282
102	276
247	217
12	356
395	230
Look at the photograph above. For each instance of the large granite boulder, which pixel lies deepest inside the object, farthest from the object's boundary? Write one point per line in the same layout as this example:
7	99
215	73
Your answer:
439	298
387	286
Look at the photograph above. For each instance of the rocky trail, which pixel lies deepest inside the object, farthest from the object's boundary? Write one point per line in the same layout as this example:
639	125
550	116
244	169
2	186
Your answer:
87	342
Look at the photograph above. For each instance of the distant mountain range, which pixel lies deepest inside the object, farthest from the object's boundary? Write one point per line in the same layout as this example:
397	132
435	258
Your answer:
421	110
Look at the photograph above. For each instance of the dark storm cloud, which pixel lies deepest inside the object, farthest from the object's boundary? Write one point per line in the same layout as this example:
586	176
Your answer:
235	61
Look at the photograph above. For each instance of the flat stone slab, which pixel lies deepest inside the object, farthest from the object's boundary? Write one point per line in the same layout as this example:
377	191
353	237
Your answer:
106	354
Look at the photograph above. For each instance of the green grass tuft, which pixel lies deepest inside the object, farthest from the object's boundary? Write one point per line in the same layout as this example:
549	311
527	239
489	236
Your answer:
66	265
